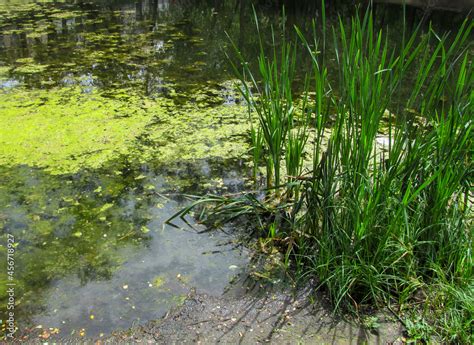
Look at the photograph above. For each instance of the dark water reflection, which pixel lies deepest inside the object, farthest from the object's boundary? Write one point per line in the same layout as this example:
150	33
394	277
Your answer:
147	45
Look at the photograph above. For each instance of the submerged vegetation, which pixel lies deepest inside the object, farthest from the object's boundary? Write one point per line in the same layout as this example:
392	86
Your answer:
368	187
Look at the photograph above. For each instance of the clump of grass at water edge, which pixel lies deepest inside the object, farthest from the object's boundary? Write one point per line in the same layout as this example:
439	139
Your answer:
368	187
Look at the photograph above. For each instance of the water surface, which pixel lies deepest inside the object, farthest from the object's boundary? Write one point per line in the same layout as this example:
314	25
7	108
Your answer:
108	112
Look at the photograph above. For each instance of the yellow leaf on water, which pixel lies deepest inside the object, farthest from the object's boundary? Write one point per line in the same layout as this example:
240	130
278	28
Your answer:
45	335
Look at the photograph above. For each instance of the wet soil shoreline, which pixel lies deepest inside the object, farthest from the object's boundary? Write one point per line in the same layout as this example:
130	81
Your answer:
237	317
275	317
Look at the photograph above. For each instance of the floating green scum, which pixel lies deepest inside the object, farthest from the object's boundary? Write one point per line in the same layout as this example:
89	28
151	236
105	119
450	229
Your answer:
64	129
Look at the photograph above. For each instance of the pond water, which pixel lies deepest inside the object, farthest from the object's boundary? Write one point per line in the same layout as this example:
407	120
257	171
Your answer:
108	111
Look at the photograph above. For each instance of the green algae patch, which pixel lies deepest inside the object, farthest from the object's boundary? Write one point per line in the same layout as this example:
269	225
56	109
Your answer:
4	71
31	69
191	133
158	282
64	130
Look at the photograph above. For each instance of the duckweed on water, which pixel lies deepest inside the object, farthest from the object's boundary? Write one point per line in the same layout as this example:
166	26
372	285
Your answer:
64	130
4	71
158	282
31	68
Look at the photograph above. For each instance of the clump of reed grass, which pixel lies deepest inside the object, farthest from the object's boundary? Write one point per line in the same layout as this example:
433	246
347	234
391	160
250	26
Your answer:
376	226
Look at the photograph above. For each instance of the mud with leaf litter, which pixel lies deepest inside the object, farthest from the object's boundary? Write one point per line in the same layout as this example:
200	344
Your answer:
259	316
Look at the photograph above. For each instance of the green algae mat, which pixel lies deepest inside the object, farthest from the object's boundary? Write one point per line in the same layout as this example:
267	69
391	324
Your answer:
64	130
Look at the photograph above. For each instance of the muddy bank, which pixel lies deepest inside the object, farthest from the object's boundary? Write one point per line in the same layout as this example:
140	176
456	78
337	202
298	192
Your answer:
278	317
247	313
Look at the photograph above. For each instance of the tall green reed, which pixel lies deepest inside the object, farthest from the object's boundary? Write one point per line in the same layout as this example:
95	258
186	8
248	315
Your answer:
269	92
375	224
383	221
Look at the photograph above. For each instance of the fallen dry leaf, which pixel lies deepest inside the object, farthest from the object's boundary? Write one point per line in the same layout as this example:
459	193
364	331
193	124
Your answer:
45	334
